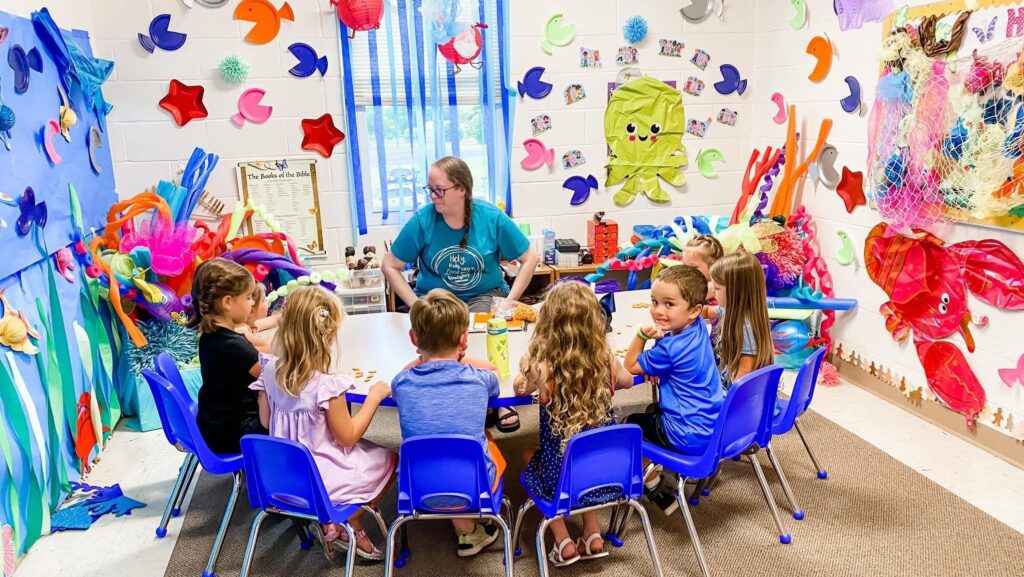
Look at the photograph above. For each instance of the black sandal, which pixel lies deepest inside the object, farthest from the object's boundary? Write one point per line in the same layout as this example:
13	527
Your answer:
498	420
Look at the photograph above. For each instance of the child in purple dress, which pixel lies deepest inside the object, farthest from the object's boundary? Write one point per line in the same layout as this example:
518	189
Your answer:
299	400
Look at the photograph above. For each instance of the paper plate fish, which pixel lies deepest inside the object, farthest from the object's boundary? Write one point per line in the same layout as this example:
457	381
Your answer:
537	154
731	81
15	330
309	61
161	37
580	187
265	17
821	49
705	158
556	33
249	108
23	62
531	85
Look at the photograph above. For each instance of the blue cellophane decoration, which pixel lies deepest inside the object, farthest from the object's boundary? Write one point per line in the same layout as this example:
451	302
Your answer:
635	29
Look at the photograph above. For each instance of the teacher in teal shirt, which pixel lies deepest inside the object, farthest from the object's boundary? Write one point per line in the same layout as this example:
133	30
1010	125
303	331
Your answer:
457	242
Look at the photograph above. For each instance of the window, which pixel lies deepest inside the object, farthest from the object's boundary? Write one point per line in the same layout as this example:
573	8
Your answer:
409	106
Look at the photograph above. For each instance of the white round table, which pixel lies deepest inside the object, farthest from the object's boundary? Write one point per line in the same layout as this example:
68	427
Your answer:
379	344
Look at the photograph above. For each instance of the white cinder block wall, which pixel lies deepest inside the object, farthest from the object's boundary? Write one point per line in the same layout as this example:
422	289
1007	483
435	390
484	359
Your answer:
67	13
783	66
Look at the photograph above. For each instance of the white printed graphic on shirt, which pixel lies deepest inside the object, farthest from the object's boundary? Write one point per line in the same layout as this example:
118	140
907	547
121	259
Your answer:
460	268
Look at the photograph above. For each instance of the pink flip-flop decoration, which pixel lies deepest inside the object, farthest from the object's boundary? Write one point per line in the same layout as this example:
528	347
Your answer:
1014	375
779	101
52	129
249	108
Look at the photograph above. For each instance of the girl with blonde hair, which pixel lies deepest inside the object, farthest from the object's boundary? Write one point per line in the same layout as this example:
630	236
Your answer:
571	366
301	401
744	340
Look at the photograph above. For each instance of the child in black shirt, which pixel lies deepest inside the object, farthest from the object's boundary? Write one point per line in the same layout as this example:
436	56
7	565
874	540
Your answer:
222	294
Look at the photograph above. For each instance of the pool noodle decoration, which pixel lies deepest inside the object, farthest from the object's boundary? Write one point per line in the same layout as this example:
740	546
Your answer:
782	204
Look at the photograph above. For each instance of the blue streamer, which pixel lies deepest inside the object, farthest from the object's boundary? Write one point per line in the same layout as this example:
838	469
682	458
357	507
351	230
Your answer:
509	102
378	122
453	110
487	100
403	31
355	168
389	35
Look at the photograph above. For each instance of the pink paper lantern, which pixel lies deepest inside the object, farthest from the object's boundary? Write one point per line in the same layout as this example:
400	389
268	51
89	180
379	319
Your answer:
360	15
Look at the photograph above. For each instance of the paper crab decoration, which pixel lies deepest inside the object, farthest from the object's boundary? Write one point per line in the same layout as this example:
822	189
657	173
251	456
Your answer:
927	282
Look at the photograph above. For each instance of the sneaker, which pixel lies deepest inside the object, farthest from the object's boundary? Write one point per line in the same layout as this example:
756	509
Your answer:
472	543
654	481
665	501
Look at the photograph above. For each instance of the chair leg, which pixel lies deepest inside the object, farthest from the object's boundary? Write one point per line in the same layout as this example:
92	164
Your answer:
184	487
506	534
161	529
542	559
798	513
350	558
377	517
784	537
822	473
518	525
620	531
389	545
692	530
648	534
236	482
250	547
506	505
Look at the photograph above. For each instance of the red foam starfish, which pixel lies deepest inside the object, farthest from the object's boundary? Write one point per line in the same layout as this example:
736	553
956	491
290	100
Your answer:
851	189
320	135
184	102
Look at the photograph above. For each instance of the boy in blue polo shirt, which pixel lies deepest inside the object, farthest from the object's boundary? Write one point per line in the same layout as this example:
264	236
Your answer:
683	361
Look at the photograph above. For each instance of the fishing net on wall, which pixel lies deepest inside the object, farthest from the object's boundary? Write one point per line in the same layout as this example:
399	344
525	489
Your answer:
946	134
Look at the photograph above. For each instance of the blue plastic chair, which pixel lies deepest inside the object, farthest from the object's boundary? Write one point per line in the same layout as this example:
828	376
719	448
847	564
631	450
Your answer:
596	459
745	419
300	494
798	403
168	369
185	432
185	473
445	477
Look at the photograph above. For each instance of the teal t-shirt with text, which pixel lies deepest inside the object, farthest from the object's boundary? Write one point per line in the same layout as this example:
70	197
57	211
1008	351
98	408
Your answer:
467	272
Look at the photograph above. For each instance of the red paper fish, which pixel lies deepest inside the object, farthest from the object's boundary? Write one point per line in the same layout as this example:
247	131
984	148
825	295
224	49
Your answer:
927	282
85	440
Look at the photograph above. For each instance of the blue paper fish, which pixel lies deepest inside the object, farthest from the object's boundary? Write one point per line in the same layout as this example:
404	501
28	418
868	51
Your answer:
731	81
160	37
580	187
309	61
997	110
532	85
953	145
896	169
23	62
1011	146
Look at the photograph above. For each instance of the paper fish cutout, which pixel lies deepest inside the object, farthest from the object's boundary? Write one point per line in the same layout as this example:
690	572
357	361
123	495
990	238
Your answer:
852	103
779	101
161	37
851	189
23	63
844	254
800	17
7	122
320	135
309	62
65	261
1014	375
184	102
265	17
580	187
15	330
50	130
68	118
556	33
537	155
531	85
696	11
249	108
821	49
705	158
731	81
824	168
85	440
95	143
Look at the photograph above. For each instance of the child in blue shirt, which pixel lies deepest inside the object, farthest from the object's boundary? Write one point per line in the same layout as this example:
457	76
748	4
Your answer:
446	393
683	361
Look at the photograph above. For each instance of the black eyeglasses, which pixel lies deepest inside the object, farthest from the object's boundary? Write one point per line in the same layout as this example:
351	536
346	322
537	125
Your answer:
437	190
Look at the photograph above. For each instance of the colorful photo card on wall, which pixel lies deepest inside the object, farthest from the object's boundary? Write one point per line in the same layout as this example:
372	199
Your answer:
694	86
672	48
700	59
574	93
626	56
540	124
589	58
727	116
572	159
697	128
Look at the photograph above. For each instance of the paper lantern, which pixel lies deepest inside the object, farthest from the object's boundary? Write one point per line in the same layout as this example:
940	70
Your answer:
360	15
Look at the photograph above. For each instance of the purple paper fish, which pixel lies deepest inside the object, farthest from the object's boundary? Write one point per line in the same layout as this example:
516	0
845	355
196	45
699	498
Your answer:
854	13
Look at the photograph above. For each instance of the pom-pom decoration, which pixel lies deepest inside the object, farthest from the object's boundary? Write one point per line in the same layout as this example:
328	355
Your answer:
233	70
635	29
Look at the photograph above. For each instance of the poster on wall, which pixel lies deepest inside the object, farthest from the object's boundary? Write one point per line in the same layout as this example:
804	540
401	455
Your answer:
288	190
946	131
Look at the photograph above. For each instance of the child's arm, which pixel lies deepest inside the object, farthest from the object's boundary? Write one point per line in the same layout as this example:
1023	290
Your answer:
264	409
636	346
746	366
623	378
255	370
709	312
268	322
262	344
346	429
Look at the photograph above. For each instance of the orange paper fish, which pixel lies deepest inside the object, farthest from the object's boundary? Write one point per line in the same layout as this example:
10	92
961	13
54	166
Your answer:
15	330
86	438
266	19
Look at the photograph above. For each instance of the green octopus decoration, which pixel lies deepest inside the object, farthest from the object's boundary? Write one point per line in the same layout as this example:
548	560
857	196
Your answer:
644	125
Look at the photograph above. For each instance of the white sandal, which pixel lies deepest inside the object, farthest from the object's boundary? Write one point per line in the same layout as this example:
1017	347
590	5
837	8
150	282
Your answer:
555	556
585	546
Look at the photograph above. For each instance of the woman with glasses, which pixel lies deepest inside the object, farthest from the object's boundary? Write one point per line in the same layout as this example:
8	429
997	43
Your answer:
457	242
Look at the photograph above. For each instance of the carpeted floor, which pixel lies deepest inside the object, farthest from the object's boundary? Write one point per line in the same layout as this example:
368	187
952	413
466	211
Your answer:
873	517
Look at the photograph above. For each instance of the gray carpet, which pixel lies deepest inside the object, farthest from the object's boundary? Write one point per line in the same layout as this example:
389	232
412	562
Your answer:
873	517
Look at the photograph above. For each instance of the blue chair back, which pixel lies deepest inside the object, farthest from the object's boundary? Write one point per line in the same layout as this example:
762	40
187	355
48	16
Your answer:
301	490
182	428
746	416
597	459
803	392
168	369
444	474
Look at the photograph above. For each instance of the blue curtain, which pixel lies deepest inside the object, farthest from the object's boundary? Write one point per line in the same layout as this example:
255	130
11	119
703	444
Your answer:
407	106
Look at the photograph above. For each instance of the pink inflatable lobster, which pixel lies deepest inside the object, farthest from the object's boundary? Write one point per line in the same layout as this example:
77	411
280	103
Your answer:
927	282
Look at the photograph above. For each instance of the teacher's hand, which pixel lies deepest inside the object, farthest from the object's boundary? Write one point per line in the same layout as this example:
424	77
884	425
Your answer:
392	268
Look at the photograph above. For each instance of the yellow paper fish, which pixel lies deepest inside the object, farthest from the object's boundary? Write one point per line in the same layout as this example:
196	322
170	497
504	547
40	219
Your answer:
15	330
